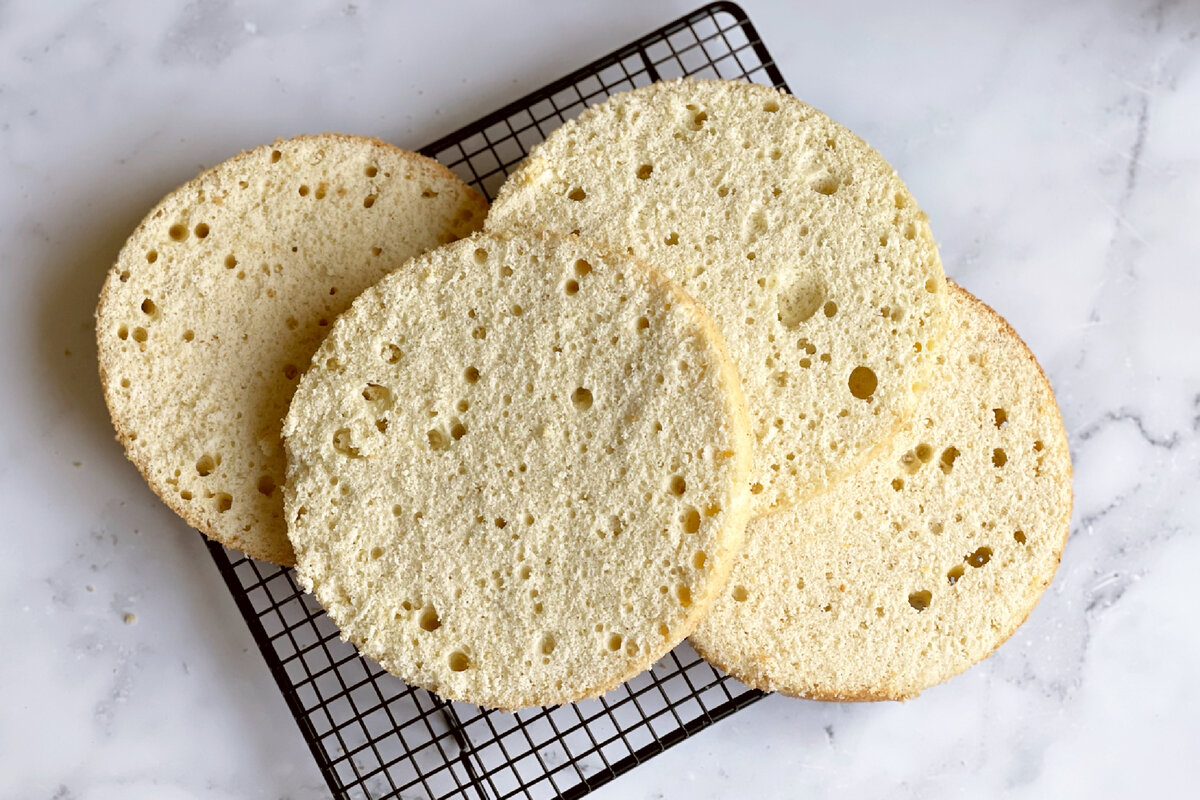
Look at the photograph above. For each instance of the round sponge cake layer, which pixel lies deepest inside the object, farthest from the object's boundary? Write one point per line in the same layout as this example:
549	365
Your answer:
925	561
517	470
798	238
222	294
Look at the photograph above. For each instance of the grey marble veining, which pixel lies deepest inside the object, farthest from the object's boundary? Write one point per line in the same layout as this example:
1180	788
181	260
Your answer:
1056	148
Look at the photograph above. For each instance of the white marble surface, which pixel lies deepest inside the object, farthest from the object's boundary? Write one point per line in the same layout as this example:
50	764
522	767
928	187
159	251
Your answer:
1056	147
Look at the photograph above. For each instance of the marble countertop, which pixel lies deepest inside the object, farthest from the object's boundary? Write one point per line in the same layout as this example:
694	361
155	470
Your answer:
1056	148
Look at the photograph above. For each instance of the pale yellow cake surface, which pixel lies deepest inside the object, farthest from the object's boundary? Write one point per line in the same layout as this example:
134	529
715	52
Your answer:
517	469
799	239
219	298
925	561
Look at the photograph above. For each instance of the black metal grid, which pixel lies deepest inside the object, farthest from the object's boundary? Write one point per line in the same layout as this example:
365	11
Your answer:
372	735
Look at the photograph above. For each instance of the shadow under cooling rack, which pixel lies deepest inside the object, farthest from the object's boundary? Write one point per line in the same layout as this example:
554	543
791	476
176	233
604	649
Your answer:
372	735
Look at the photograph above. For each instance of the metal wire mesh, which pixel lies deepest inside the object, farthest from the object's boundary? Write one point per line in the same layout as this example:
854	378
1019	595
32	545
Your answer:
372	735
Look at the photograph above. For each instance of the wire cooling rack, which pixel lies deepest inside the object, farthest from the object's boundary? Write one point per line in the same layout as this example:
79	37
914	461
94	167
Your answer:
372	735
